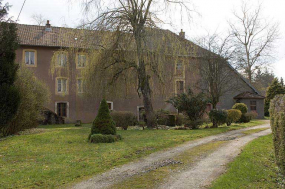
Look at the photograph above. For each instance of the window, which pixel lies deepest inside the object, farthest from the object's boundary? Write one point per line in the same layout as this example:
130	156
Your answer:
141	113
81	60
80	86
179	66
179	69
179	87
62	109
253	105
62	85
110	105
30	58
61	59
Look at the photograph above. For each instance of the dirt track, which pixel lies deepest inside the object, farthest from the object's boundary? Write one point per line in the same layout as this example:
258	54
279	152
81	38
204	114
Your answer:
198	176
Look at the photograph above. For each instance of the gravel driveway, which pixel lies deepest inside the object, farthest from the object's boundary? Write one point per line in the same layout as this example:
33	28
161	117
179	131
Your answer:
199	175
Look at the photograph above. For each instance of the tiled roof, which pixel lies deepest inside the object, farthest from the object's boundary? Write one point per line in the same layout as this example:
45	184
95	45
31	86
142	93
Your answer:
155	40
57	37
249	95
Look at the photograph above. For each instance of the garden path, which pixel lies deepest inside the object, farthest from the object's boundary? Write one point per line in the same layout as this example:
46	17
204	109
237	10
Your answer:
199	175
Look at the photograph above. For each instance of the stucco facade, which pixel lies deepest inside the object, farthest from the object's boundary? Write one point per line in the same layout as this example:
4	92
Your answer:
78	106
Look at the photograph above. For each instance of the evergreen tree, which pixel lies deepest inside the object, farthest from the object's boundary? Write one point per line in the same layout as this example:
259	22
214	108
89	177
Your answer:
274	89
282	82
103	123
262	80
9	94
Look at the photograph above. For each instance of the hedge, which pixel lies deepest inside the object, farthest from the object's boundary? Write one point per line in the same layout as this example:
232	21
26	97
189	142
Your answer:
277	122
124	119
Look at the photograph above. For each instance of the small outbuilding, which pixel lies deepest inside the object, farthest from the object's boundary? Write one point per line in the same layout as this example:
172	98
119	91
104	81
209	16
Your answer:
254	102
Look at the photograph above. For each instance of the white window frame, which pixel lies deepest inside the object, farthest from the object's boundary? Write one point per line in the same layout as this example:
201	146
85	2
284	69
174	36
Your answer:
35	57
67	108
112	104
56	85
175	85
138	112
59	59
78	58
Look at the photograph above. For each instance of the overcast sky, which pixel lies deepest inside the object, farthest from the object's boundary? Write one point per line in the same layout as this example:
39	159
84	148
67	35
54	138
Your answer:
213	16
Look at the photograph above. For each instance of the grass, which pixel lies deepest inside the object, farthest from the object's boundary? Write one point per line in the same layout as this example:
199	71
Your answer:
60	154
154	178
248	132
254	168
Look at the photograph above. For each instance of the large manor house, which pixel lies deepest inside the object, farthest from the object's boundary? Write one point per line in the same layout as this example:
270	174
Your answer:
38	44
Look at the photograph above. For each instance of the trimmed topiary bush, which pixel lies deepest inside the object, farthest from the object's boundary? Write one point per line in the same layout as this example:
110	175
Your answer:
240	106
233	116
103	123
277	122
124	119
99	138
218	117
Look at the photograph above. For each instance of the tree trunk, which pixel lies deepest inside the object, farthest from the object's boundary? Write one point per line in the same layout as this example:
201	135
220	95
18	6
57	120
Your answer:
144	84
215	124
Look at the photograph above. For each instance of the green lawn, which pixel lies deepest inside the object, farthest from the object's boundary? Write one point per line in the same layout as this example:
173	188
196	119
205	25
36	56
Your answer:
254	168
60	154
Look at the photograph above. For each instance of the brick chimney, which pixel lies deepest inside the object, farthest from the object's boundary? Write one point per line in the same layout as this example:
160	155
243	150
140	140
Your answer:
182	34
48	26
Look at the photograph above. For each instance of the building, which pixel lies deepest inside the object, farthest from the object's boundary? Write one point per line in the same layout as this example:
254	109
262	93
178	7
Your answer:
39	45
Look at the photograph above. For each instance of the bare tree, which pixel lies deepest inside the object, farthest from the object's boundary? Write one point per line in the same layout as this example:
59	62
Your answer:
39	19
4	11
127	49
217	75
254	38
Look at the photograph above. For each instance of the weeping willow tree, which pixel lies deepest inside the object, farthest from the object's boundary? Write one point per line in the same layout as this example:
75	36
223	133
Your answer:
132	52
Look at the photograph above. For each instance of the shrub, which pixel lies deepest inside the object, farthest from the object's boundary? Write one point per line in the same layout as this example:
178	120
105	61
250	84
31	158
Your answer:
124	119
103	123
171	120
218	117
233	116
245	118
193	124
162	116
34	95
180	120
99	138
252	114
142	124
191	105
273	89
277	122
240	106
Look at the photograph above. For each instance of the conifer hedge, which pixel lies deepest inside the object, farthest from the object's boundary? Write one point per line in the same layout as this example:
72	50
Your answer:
277	122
